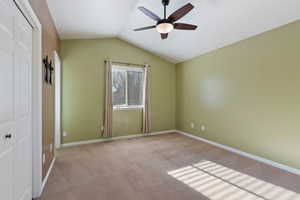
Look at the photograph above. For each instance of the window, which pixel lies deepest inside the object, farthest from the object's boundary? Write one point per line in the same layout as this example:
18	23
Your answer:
127	87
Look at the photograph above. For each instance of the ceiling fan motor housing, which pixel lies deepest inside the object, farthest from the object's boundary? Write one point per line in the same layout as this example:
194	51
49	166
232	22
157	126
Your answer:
164	21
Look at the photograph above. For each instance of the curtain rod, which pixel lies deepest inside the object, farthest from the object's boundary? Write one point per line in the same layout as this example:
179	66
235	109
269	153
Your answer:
124	63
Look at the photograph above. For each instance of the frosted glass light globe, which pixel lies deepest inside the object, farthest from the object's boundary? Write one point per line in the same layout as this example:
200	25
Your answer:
164	27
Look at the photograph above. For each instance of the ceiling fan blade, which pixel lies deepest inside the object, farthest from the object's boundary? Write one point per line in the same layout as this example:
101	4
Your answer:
164	35
178	14
144	28
149	13
182	26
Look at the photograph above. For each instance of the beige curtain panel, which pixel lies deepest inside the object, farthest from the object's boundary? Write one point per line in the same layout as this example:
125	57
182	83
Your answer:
108	101
146	99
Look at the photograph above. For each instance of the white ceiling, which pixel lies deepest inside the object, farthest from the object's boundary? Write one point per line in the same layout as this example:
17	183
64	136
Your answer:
220	22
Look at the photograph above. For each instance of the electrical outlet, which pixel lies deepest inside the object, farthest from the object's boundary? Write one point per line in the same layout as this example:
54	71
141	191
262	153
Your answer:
102	128
203	128
192	125
44	158
65	133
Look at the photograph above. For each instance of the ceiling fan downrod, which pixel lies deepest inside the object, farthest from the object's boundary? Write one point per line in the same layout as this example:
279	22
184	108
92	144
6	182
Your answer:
165	4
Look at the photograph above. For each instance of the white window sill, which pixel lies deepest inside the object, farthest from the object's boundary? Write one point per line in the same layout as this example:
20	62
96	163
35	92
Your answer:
128	107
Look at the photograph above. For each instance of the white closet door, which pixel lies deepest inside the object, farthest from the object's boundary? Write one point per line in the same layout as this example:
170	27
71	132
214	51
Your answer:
7	106
23	140
15	104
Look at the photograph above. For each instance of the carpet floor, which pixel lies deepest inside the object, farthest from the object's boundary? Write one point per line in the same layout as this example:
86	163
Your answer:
164	167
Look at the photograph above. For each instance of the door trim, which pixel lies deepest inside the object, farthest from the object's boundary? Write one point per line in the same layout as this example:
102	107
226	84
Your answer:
48	174
57	64
37	79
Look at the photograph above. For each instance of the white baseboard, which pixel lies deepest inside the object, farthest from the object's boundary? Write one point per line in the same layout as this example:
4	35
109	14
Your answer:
48	174
251	156
116	138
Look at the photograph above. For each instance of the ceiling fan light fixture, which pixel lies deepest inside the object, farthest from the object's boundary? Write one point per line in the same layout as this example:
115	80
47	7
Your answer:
164	28
166	24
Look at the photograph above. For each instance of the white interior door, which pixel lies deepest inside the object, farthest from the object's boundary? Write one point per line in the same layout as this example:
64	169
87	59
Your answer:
15	104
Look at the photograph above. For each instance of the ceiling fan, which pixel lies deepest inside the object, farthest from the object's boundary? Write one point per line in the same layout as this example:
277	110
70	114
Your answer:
166	25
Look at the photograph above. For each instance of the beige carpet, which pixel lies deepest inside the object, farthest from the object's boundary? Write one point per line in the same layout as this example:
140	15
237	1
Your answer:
164	167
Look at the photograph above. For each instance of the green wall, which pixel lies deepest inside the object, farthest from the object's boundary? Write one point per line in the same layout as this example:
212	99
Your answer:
247	94
83	89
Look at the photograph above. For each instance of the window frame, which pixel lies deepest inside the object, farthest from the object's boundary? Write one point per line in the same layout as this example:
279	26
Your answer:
126	69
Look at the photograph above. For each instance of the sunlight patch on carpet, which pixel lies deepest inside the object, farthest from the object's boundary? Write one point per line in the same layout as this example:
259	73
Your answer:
221	183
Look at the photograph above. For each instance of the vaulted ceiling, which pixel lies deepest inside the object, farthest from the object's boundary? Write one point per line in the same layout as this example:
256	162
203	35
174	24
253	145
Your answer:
220	22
